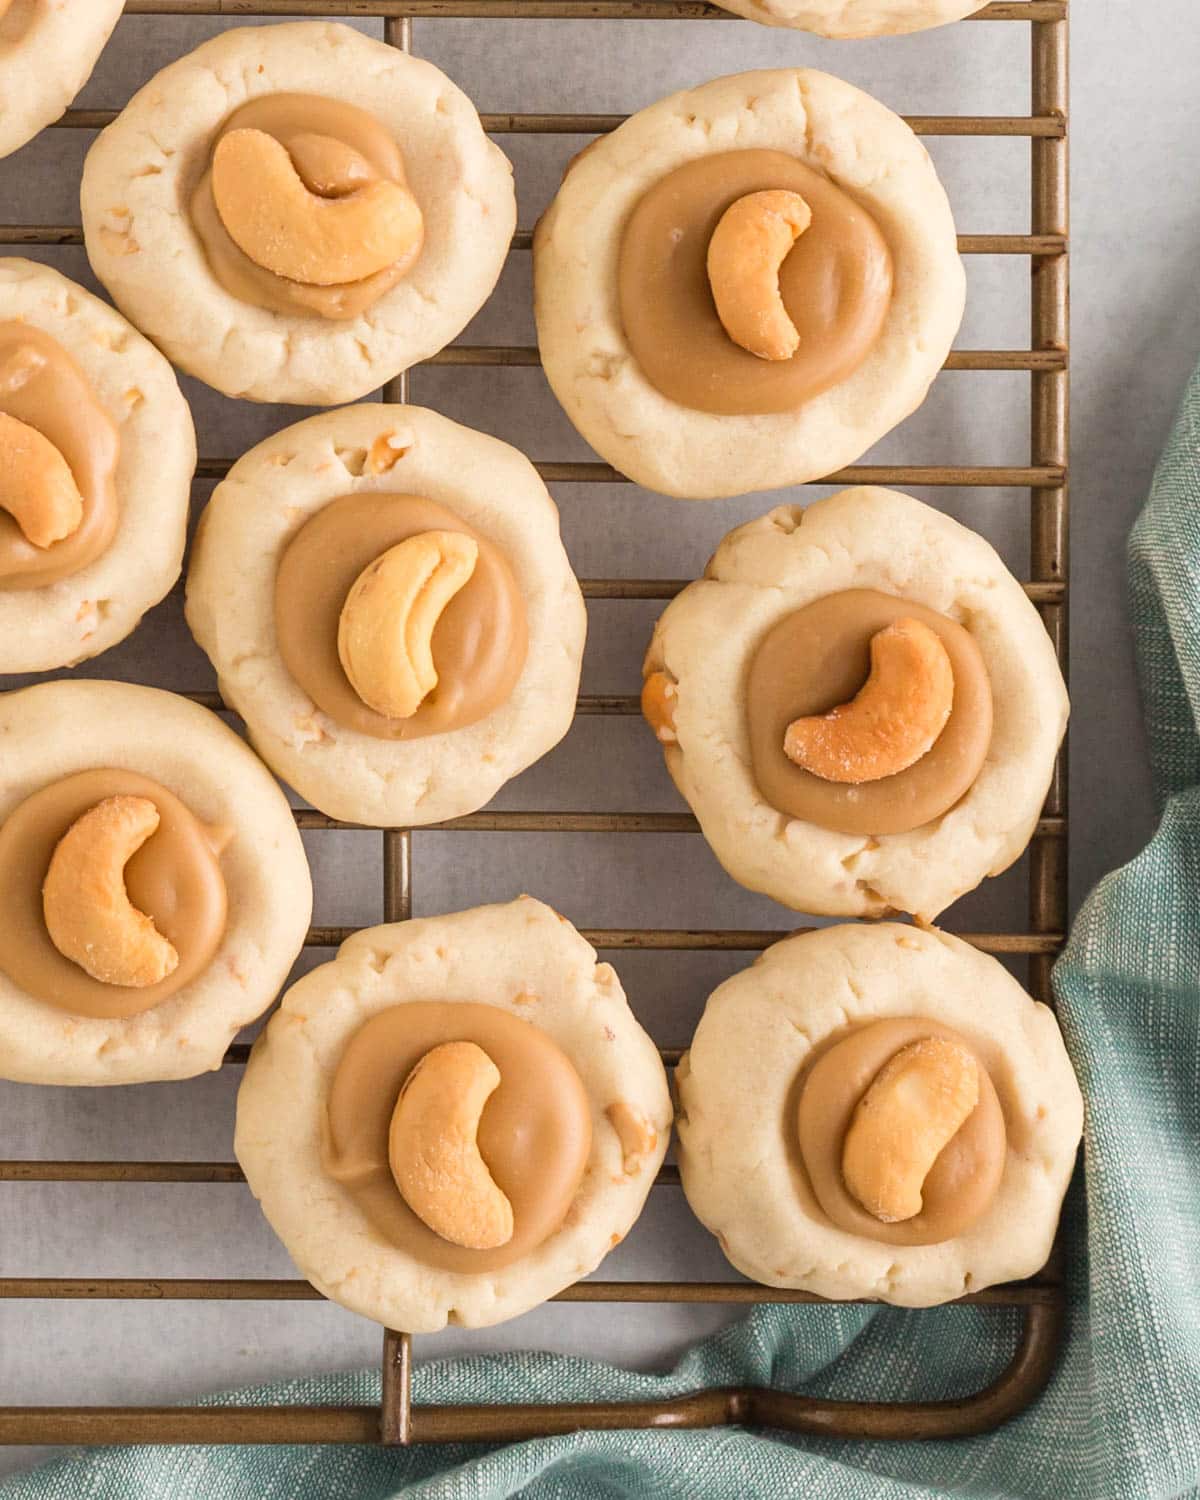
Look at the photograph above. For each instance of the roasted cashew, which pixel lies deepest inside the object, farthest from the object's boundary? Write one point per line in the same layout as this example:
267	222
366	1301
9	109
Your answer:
87	909
894	719
915	1106
37	487
747	248
433	1149
273	218
385	633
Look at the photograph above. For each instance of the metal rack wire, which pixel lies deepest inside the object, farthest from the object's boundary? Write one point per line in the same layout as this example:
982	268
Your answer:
1041	1299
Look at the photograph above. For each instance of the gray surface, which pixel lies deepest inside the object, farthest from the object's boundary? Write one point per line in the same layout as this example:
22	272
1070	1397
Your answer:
1136	134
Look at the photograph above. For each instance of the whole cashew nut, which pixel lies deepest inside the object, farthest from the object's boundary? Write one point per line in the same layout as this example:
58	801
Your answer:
385	632
915	1106
37	487
747	248
87	909
270	214
894	719
434	1153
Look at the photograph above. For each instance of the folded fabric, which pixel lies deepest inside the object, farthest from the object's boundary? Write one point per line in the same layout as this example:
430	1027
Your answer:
1121	1417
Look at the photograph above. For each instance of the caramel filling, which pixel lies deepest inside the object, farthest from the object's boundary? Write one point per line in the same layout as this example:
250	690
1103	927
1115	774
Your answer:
531	1131
15	16
173	878
478	644
304	208
58	460
819	658
852	1072
793	327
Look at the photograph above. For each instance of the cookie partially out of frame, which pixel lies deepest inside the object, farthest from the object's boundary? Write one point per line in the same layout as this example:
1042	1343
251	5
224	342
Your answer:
142	172
855	18
778	1200
510	977
48	49
186	757
139	401
879	172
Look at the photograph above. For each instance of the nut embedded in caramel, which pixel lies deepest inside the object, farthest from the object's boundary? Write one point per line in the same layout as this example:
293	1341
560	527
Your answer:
754	236
272	217
385	633
37	487
915	1106
87	909
894	719
433	1147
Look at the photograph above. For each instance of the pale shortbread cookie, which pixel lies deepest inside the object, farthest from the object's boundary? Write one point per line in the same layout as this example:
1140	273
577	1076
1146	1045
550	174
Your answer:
48	49
57	729
855	18
862	538
255	513
740	1169
68	621
141	172
492	955
830	126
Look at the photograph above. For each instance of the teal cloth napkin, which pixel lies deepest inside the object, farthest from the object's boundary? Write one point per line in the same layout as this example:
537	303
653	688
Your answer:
1121	1418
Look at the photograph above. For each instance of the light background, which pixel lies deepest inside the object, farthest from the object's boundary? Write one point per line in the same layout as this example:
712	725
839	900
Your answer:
1136	159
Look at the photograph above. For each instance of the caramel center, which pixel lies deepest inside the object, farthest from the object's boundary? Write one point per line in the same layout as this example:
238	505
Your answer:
58	459
678	279
304	208
478	644
818	658
533	1127
961	1182
173	880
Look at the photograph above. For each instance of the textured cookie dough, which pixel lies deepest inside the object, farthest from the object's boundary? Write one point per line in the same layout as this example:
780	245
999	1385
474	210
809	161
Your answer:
48	49
55	729
831	126
862	538
68	621
736	1095
141	172
855	18
254	514
529	962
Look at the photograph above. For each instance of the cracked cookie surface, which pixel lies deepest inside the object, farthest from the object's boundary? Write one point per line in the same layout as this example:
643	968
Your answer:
255	513
57	729
865	538
141	173
828	125
531	965
739	1086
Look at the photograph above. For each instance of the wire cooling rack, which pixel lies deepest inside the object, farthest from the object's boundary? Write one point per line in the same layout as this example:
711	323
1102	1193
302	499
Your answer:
1041	1299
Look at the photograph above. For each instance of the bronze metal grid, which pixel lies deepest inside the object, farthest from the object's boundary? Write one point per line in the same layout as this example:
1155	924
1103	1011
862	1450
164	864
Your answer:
1041	1299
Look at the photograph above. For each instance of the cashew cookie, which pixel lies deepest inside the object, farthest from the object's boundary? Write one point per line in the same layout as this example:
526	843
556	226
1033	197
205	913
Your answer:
897	808
455	1119
878	1112
78	356
650	380
171	894
48	49
440	661
855	18
432	215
